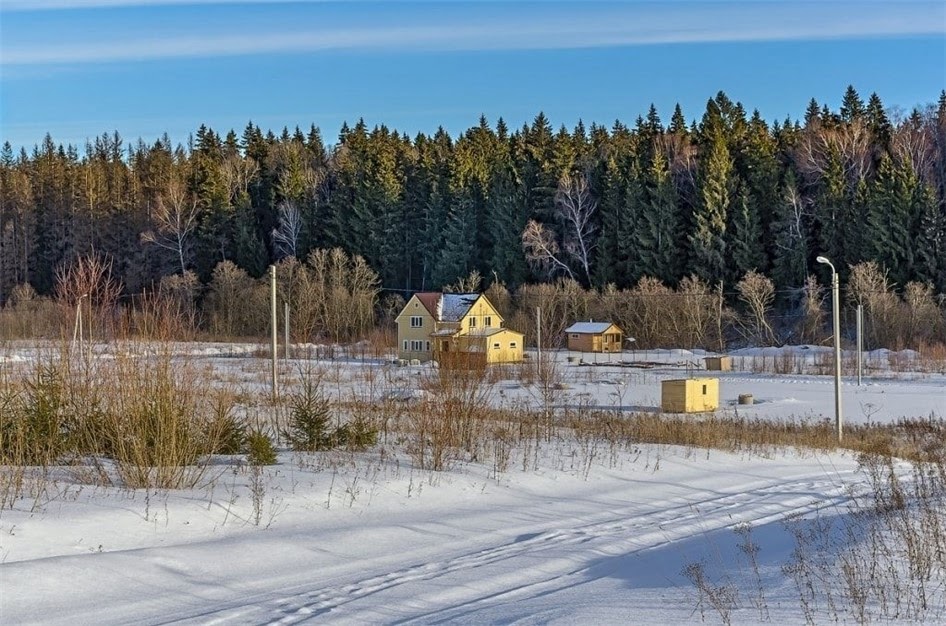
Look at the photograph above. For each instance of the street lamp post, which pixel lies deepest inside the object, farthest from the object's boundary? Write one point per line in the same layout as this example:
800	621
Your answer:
836	306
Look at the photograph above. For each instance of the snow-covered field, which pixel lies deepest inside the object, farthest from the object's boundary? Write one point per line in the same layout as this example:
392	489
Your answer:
582	536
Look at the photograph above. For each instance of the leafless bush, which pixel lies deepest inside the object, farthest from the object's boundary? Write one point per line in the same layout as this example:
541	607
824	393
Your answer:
721	597
657	316
237	305
561	304
811	327
869	287
757	292
178	295
448	425
26	314
88	282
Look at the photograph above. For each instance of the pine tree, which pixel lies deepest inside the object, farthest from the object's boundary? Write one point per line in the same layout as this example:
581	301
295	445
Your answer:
678	124
708	239
812	114
659	234
830	212
930	259
507	219
745	238
607	262
878	123
458	256
852	107
889	218
757	164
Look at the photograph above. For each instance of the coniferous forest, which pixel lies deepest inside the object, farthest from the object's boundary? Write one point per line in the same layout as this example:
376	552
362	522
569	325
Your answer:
714	198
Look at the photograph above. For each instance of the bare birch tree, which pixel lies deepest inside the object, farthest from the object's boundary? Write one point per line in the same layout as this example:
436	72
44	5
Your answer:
575	207
175	221
286	234
542	250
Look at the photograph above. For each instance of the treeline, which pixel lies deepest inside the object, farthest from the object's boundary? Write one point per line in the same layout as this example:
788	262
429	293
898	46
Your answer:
714	200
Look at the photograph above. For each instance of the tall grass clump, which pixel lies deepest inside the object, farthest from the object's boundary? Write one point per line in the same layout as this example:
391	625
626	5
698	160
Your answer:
160	420
135	421
447	425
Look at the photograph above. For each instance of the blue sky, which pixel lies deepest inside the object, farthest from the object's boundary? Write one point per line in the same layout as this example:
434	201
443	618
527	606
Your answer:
77	68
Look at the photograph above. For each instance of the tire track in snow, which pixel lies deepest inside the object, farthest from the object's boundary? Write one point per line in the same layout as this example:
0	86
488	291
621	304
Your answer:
449	584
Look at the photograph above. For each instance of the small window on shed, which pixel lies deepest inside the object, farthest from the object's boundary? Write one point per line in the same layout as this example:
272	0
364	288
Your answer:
574	335
496	346
512	344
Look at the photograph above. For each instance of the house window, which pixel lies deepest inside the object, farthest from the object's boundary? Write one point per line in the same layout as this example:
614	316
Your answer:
704	390
417	321
472	322
512	344
495	346
487	321
405	345
574	335
416	345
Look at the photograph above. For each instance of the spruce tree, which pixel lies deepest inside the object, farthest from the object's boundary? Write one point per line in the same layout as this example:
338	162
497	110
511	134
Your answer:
930	258
831	210
852	107
708	239
659	235
889	218
745	237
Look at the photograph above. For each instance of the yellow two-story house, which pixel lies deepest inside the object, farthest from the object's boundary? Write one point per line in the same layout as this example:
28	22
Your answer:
436	325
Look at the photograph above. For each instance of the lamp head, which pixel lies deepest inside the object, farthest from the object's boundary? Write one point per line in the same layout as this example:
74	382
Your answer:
821	259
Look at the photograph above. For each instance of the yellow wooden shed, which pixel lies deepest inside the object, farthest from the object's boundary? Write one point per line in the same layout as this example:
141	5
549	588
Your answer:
689	395
719	363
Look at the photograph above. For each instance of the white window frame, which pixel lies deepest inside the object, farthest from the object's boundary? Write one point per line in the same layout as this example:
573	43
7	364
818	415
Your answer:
405	345
417	321
416	345
512	345
496	346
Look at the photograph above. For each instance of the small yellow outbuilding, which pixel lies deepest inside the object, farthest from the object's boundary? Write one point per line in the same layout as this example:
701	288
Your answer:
689	395
719	363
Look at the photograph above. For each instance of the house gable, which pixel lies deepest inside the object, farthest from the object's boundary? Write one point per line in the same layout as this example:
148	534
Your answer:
480	316
415	323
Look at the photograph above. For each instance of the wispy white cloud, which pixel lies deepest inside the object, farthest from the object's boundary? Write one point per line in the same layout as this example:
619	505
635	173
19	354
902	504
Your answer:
50	5
604	26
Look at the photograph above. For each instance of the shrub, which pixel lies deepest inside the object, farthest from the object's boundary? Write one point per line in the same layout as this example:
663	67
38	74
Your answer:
357	434
228	430
260	449
310	419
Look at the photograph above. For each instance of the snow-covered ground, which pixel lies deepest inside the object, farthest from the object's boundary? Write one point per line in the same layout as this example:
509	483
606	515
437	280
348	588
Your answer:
580	537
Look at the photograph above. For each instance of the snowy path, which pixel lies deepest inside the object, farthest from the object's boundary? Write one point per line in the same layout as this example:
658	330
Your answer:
544	547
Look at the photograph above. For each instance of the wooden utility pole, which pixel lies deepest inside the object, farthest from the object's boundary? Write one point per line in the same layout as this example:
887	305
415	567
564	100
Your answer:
272	299
286	327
